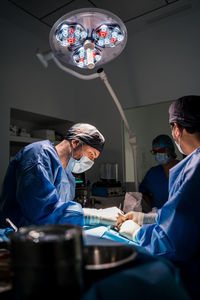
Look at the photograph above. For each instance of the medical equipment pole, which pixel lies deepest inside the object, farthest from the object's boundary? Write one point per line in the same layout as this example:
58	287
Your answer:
45	57
132	137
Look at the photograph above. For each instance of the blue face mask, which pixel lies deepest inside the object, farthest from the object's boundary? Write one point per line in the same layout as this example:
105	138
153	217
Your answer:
79	166
162	158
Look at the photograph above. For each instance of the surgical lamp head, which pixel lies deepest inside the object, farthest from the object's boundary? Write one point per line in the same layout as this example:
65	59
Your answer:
88	37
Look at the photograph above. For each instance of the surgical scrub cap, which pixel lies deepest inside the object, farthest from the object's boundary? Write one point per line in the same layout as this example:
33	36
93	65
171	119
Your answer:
87	134
164	141
186	111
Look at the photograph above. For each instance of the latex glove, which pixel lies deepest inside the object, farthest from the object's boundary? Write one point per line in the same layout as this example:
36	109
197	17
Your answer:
106	216
139	217
129	229
135	216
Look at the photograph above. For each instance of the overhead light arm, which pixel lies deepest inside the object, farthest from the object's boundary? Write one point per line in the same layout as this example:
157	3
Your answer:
44	57
132	137
72	72
47	56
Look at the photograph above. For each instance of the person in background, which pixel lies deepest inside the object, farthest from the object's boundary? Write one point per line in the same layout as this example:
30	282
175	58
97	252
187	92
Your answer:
154	186
174	233
39	186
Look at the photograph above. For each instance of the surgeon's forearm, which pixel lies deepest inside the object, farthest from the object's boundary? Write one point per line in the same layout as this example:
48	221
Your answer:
105	216
150	218
140	218
91	216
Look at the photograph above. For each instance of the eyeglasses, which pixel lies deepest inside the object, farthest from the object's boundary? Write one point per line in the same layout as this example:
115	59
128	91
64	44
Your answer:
162	150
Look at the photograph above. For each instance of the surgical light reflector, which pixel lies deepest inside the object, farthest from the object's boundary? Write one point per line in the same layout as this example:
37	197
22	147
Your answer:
81	59
70	35
108	36
88	37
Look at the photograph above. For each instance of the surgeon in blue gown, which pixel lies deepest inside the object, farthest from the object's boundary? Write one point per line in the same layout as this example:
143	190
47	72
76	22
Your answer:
39	186
175	233
154	186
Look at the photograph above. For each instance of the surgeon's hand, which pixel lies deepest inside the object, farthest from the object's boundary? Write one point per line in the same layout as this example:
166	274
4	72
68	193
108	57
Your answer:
129	229
106	216
121	219
137	217
109	216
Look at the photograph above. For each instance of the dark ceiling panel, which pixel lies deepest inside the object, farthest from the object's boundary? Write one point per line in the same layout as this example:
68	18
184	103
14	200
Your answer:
129	9
51	19
49	11
40	8
171	1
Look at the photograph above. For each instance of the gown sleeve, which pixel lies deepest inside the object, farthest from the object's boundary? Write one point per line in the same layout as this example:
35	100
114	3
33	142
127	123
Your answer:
38	199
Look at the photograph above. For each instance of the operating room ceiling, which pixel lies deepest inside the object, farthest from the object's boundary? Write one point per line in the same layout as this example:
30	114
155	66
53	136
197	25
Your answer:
48	11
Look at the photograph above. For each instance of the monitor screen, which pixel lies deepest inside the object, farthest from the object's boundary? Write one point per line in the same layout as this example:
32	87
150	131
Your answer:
80	179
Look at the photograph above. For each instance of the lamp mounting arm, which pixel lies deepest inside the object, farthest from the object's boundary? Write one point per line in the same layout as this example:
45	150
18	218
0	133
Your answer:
46	56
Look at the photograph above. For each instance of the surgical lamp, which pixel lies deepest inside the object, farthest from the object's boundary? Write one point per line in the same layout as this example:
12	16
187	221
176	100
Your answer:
88	38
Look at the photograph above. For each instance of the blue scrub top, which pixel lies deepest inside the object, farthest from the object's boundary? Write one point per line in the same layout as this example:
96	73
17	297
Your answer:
176	234
38	190
155	183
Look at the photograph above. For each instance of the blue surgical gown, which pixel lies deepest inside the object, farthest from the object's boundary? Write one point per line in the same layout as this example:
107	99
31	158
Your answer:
176	234
155	183
38	190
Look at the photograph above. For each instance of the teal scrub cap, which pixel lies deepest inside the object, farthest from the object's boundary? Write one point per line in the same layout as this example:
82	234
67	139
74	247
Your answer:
164	141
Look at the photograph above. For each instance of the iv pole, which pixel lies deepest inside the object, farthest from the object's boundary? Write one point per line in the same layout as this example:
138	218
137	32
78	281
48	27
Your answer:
45	57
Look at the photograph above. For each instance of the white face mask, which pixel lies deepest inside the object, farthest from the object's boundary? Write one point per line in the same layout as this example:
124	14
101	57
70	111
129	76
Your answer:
178	145
79	166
